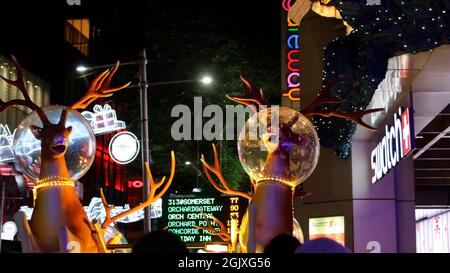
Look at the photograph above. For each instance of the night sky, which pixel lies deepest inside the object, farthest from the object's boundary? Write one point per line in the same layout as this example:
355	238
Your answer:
182	37
256	23
33	30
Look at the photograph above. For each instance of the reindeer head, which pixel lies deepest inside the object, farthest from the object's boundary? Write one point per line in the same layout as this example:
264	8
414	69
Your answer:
54	137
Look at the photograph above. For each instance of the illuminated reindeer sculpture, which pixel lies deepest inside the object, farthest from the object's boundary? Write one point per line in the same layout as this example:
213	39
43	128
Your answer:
59	222
270	211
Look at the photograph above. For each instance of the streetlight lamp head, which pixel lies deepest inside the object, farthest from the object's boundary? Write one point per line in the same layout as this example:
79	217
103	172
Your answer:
187	163
206	80
81	68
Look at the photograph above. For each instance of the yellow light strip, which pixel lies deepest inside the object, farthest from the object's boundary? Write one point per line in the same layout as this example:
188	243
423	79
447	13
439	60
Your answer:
51	179
276	180
44	183
54	184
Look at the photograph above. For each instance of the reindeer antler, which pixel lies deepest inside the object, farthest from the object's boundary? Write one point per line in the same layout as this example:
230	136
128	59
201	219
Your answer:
325	98
152	197
19	83
222	233
253	95
356	116
99	88
216	170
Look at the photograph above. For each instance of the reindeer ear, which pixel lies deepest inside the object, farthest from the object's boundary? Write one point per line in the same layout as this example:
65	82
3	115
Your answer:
69	129
36	131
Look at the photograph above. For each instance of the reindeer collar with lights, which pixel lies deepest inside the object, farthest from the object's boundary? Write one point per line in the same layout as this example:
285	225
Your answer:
53	181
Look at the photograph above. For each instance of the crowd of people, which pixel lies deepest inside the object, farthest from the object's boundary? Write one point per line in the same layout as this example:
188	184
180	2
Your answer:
166	242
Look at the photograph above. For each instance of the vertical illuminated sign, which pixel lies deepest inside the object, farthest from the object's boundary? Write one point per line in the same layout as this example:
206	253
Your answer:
395	145
290	54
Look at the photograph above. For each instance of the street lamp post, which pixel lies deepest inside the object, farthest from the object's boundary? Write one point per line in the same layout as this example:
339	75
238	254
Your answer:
143	90
145	151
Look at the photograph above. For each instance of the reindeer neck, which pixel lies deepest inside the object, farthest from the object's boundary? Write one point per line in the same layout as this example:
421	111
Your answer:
277	166
274	211
54	167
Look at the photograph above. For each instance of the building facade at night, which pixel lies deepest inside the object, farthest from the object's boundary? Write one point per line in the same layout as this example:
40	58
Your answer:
372	191
394	187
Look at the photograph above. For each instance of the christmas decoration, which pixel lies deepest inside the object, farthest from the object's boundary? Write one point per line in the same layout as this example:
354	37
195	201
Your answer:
392	28
59	222
278	154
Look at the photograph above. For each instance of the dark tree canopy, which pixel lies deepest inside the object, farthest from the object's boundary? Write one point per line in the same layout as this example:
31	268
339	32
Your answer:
185	42
382	31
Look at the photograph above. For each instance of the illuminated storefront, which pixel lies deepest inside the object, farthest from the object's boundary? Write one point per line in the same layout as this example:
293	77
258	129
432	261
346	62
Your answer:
432	233
373	192
391	172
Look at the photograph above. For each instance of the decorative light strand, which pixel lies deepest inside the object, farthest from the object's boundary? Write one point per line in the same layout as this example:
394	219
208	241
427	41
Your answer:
54	184
276	180
53	179
41	184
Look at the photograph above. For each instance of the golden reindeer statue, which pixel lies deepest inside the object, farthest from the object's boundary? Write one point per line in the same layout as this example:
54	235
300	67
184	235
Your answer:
270	211
59	222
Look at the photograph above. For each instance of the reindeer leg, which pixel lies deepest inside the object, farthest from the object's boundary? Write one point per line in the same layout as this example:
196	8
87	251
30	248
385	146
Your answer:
247	234
26	236
68	242
63	240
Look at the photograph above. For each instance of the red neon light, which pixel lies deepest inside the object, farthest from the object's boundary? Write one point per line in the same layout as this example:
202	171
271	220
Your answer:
103	154
292	61
406	132
136	184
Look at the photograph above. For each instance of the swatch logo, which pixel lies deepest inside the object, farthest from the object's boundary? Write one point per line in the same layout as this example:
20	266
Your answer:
395	145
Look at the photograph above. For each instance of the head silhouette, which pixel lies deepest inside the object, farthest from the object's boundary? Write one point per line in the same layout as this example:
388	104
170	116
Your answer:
322	245
160	242
283	243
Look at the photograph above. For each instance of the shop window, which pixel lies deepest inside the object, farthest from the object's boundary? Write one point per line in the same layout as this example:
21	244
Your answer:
76	32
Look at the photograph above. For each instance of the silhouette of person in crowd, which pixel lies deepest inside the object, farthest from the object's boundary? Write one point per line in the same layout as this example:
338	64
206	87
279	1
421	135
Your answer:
322	245
282	244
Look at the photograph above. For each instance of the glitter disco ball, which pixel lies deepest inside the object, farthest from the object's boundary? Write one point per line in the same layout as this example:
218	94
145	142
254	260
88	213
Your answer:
81	145
278	144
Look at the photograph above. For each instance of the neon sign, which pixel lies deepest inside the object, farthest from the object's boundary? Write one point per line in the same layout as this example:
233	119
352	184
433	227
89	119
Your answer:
292	57
135	184
184	212
286	5
103	120
6	144
395	145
